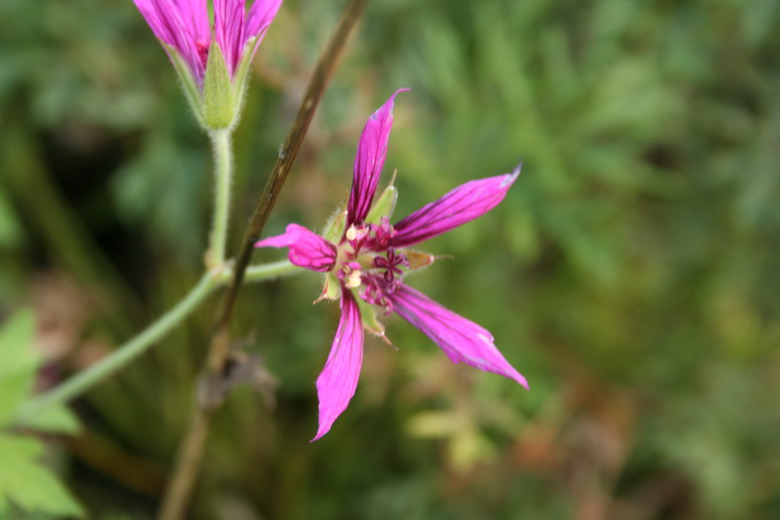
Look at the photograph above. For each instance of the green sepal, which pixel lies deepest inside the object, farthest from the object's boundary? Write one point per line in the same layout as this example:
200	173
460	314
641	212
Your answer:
384	205
219	103
334	229
368	316
241	77
332	289
188	82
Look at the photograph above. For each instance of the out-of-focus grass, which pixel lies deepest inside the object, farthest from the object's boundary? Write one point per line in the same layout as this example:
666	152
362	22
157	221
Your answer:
631	274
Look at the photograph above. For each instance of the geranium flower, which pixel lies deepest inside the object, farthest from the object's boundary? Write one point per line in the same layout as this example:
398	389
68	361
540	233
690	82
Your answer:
214	75
365	259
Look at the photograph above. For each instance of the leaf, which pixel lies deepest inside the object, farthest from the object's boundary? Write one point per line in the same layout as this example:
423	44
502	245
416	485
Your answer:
24	483
58	419
19	362
28	485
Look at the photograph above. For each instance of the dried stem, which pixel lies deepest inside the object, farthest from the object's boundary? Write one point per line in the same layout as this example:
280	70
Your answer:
178	494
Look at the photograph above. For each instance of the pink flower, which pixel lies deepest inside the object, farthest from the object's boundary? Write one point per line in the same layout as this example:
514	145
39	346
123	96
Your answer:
366	259
183	28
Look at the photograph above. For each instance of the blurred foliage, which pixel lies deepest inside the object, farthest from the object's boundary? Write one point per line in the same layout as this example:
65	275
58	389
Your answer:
632	274
26	487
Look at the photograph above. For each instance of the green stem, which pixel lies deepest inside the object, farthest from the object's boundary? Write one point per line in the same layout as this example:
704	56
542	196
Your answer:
122	356
223	170
84	380
263	272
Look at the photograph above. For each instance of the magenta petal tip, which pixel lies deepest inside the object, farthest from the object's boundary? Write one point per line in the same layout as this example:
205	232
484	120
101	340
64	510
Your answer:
337	383
370	159
462	340
512	177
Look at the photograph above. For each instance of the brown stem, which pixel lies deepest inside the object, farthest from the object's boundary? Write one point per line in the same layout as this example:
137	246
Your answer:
212	387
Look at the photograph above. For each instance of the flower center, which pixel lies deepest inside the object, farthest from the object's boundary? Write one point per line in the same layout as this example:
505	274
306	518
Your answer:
367	262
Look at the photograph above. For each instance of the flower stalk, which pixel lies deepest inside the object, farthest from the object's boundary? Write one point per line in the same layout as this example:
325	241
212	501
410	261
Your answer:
223	177
129	351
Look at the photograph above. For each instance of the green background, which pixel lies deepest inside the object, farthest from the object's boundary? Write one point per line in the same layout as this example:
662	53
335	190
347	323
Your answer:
632	274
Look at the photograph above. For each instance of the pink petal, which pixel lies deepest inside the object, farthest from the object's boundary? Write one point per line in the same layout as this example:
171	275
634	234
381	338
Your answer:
463	204
196	15
337	383
462	340
229	29
175	28
307	249
369	160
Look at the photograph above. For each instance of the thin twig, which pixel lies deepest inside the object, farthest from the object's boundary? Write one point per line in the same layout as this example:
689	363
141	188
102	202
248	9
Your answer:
180	487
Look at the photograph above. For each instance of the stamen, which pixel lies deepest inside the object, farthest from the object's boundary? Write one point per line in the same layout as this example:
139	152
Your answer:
351	233
353	280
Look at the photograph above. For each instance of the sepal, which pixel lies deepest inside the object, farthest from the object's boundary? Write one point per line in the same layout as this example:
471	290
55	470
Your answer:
219	103
334	229
331	290
188	82
418	260
384	205
241	75
370	321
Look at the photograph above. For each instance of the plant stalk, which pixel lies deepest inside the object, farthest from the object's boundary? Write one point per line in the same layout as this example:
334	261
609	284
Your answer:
84	380
126	353
223	173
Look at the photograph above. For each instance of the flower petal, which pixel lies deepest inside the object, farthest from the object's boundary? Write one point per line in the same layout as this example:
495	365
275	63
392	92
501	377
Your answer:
307	249
462	340
178	27
337	383
369	160
463	204
229	30
196	15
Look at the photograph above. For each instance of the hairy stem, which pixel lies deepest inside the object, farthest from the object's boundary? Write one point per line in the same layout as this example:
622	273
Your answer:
126	353
181	484
223	172
265	272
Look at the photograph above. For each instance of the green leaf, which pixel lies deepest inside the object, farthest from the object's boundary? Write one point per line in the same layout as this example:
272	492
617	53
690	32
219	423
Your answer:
19	362
57	419
28	485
